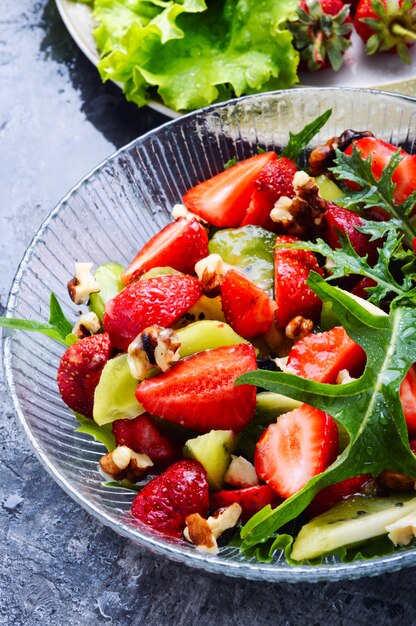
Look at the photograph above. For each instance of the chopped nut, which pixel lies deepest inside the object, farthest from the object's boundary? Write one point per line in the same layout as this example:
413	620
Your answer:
87	324
204	533
83	284
322	157
344	377
180	210
125	463
302	215
241	473
211	271
154	346
394	481
402	532
298	328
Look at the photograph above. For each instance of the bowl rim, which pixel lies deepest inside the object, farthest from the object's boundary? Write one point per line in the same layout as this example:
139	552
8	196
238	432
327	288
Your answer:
214	564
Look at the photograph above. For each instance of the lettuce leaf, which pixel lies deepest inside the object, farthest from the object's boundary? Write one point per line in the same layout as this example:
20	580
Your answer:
193	54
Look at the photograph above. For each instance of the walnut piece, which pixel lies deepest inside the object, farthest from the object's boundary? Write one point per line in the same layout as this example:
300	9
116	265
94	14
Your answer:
122	462
87	324
83	284
299	328
211	271
154	346
203	533
180	210
322	157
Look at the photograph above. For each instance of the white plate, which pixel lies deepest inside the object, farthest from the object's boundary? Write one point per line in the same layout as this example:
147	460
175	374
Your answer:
383	71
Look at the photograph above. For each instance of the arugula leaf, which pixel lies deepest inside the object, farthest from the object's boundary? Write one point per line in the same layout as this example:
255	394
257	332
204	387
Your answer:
58	327
368	408
345	261
298	141
103	434
372	192
123	484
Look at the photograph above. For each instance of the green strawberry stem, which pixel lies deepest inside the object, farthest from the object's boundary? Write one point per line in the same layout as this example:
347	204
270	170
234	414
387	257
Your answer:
399	30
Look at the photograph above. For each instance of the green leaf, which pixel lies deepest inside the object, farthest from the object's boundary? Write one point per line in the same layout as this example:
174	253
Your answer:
58	327
372	192
368	408
298	141
103	434
123	484
230	163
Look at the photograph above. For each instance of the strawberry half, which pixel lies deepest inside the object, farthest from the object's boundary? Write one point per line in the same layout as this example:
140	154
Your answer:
179	245
247	308
223	199
142	435
251	499
199	392
166	501
329	496
321	356
161	300
387	25
346	222
408	400
275	180
302	444
293	296
80	371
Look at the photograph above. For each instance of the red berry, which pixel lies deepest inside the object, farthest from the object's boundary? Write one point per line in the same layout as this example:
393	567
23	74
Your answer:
408	400
300	445
247	308
142	435
80	371
160	300
179	245
329	496
166	501
251	499
199	392
223	199
346	222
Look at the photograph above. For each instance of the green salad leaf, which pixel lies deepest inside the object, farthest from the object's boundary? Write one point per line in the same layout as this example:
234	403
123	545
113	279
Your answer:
368	408
299	141
58	327
103	434
372	192
192	52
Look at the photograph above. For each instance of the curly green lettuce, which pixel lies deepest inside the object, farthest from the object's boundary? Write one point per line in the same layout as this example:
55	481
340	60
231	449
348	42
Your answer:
191	52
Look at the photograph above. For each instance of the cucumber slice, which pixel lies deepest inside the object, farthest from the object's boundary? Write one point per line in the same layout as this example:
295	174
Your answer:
114	396
352	521
251	248
206	335
159	271
328	189
271	405
108	276
213	451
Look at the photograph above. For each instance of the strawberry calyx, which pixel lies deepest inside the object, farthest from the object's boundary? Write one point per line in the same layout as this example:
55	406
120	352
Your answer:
392	26
320	37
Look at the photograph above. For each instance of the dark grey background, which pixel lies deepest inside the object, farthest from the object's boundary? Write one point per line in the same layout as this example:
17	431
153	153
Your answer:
58	565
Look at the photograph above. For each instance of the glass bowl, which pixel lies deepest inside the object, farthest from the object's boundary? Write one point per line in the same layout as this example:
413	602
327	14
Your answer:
108	216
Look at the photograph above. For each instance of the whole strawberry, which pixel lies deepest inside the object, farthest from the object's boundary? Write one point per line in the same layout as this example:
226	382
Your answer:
387	25
165	502
321	32
80	371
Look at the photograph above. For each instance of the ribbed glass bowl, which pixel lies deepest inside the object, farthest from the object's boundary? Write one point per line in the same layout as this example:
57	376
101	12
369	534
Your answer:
108	216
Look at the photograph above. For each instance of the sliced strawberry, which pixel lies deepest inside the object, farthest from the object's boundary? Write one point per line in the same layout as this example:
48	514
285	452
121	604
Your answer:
80	371
300	445
199	391
293	296
251	499
360	288
408	400
223	199
329	496
381	152
321	356
142	435
166	501
179	245
247	308
346	222
274	181
160	300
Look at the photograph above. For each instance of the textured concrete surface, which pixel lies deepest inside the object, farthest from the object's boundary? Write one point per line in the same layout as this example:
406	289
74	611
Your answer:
56	122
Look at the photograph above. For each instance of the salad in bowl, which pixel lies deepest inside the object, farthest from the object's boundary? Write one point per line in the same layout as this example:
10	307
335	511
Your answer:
247	371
